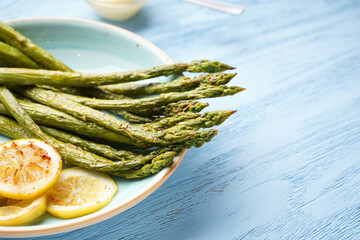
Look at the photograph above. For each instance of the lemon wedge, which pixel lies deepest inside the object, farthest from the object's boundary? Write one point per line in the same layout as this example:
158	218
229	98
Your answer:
28	167
17	212
80	191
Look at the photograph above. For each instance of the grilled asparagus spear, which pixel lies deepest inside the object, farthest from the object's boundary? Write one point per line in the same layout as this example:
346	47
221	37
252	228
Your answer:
51	117
173	108
12	129
167	122
177	85
16	57
206	120
22	76
203	91
103	94
97	148
163	160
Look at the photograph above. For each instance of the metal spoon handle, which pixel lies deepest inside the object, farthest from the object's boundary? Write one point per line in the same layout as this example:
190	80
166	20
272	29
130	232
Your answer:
225	7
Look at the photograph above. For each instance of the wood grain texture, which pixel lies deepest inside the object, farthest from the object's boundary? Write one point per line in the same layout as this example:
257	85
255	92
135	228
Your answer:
286	165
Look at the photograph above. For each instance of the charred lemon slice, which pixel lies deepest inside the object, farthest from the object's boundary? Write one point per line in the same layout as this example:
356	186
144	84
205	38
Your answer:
28	167
17	212
80	191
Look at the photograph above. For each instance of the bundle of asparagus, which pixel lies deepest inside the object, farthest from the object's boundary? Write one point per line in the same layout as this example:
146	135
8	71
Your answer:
52	102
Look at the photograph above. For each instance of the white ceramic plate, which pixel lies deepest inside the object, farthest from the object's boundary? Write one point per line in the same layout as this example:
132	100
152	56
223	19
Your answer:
90	46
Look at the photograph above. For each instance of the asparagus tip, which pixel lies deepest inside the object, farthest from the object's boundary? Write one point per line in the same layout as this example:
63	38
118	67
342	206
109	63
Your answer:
216	117
238	89
208	66
217	78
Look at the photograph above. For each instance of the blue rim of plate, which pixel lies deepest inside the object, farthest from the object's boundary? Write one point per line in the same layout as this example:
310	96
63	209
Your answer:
160	178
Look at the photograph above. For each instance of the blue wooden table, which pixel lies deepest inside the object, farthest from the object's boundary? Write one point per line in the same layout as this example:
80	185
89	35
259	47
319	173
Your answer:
287	164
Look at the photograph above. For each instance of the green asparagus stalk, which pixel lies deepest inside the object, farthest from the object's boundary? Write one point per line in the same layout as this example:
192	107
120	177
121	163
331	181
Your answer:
132	89
116	168
174	108
168	122
94	162
97	148
98	92
162	161
51	117
203	91
144	116
22	76
183	106
101	149
216	79
201	137
156	165
47	87
177	85
206	120
112	153
25	121
16	57
25	45
131	117
68	90
71	90
103	94
140	135
11	129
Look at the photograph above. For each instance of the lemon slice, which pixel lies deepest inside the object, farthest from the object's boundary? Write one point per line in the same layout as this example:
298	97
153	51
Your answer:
28	167
17	212
80	191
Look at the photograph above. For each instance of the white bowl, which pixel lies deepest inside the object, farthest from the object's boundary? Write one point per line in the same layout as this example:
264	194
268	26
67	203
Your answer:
116	10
